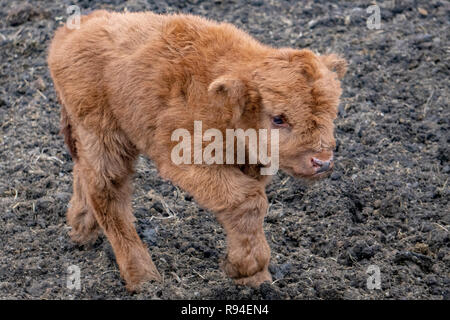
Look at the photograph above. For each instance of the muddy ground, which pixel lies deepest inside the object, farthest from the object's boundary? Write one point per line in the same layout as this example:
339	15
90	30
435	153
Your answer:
386	204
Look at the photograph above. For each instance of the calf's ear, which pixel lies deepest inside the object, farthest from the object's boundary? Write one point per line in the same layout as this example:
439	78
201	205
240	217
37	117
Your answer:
335	64
228	91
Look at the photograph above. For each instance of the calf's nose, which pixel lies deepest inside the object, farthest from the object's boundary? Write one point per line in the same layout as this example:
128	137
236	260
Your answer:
322	165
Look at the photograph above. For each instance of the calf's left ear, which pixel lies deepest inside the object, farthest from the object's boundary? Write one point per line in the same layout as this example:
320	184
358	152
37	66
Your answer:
228	91
335	64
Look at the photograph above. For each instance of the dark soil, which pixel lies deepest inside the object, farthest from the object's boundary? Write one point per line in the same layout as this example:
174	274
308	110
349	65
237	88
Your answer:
386	204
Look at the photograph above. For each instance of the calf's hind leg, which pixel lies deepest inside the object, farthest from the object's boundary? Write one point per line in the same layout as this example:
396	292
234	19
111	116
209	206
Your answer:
106	163
80	215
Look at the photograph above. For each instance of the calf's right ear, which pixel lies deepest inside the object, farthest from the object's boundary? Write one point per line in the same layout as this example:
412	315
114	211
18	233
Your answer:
229	92
335	64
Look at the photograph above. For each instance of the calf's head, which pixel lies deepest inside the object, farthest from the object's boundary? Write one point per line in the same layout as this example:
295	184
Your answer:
296	92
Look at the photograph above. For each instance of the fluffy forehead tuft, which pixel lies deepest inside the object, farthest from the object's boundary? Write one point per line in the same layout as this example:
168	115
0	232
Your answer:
299	84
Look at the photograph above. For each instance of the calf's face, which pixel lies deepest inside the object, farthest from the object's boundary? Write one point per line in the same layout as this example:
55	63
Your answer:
299	94
296	92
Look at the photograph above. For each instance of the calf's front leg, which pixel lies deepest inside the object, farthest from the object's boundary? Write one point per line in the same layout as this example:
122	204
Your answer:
240	204
248	252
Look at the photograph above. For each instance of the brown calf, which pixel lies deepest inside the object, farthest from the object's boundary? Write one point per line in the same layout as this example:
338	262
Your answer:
126	81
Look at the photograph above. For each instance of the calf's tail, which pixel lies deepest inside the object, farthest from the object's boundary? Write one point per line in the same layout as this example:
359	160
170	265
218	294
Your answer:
66	131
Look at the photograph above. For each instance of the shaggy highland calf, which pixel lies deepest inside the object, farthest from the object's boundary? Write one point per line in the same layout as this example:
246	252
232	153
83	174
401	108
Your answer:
126	81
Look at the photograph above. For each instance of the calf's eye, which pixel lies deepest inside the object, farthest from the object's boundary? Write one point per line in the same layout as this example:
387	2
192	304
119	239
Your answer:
279	121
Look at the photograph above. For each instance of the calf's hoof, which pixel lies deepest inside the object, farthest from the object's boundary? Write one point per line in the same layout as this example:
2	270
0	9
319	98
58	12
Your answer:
138	270
255	280
135	282
85	229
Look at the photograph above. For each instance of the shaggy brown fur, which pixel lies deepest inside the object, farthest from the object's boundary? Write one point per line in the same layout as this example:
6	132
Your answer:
126	81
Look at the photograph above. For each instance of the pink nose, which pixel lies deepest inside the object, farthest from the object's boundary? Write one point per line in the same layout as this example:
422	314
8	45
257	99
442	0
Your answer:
322	165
